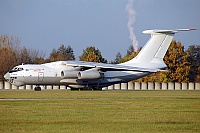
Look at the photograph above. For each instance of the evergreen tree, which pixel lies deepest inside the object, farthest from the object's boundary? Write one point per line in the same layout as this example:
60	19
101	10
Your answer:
62	53
118	58
130	50
91	54
194	59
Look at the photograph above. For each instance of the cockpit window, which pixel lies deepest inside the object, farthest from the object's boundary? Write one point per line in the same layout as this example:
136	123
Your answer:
20	69
16	69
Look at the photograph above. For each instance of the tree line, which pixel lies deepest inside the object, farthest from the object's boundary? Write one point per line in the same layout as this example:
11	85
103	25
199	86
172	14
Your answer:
182	65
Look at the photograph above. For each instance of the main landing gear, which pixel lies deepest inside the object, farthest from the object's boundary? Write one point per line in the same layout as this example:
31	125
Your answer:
37	88
87	89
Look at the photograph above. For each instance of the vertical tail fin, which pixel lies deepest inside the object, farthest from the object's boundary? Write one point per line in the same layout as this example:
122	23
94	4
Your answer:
156	48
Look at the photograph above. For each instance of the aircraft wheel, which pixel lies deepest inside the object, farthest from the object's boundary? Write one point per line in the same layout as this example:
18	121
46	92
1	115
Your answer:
96	88
75	89
37	88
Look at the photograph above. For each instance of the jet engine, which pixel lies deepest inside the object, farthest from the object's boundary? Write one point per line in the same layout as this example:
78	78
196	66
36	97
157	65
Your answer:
71	73
90	74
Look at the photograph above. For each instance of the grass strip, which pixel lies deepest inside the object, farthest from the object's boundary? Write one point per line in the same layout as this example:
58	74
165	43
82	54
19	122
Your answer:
99	111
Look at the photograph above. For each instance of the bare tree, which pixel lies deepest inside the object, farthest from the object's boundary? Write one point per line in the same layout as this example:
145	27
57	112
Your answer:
9	48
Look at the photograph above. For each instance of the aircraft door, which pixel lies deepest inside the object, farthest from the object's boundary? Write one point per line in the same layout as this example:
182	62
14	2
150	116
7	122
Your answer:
40	76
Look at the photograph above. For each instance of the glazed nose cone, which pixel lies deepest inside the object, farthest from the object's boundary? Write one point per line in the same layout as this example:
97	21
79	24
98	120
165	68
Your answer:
7	76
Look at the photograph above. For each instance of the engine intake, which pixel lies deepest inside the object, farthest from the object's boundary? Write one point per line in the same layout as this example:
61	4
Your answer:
71	73
90	74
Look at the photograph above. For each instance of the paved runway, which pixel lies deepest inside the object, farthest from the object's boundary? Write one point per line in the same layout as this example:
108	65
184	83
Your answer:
76	99
100	99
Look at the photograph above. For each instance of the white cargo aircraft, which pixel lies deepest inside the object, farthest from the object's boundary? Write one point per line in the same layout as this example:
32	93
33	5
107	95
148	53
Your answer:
90	75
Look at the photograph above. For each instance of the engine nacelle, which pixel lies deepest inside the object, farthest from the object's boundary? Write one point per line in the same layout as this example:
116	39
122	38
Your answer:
90	74
67	74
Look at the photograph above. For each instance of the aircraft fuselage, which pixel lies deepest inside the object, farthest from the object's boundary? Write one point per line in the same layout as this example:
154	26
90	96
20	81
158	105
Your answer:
50	74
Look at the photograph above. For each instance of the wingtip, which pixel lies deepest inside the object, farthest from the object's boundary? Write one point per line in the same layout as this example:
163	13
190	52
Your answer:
193	29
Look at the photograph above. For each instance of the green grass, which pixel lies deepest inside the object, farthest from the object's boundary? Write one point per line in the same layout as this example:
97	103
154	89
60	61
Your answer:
99	111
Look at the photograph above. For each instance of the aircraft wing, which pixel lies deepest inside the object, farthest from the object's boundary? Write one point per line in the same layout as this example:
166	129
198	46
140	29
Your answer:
107	67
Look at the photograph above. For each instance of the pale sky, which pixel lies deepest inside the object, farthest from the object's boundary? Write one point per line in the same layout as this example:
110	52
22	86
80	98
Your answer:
46	24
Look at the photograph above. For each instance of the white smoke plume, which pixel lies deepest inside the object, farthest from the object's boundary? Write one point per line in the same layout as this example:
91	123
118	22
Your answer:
131	20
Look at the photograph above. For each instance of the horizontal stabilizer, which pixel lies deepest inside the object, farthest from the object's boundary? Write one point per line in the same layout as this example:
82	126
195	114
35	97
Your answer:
166	31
